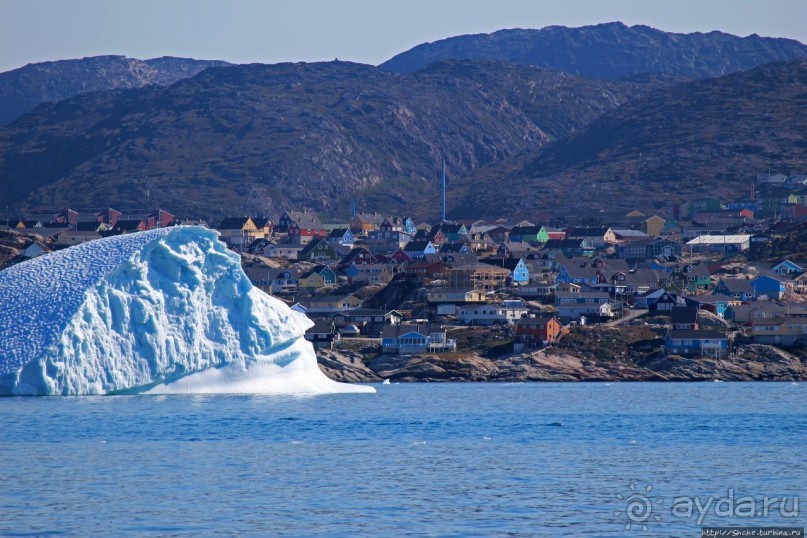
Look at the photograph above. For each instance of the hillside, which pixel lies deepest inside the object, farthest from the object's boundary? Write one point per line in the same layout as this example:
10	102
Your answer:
21	90
693	140
263	138
607	51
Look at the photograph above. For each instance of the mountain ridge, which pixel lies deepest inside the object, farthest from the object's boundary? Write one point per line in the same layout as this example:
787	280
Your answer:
608	50
24	88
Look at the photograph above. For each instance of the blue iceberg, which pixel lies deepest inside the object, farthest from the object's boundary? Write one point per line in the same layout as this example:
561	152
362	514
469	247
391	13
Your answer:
163	311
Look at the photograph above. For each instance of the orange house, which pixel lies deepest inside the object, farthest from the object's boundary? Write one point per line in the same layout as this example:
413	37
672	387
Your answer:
538	331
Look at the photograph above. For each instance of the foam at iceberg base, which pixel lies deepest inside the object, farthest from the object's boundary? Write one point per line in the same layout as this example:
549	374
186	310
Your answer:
162	311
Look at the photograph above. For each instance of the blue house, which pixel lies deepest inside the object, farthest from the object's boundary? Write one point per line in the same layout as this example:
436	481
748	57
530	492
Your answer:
341	236
519	271
700	343
770	284
736	288
786	267
573	274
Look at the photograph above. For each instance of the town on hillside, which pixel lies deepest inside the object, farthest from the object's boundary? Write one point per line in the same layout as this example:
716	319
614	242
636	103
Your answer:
705	280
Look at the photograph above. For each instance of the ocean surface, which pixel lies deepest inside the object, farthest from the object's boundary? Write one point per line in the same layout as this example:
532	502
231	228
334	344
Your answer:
620	459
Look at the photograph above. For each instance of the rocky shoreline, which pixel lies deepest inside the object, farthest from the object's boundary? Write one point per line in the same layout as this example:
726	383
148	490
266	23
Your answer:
752	363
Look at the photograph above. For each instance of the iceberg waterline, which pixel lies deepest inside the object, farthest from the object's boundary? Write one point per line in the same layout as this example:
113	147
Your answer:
167	310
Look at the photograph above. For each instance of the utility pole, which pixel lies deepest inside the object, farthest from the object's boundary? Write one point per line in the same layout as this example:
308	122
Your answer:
444	190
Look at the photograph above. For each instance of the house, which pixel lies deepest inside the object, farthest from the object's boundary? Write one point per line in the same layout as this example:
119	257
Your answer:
236	231
649	298
781	331
363	223
33	250
455	248
342	237
512	249
282	250
572	305
372	273
263	226
71	237
691	277
771	285
323	335
653	226
298	220
441	296
539	330
529	234
684	318
701	343
437	237
320	251
571	247
746	313
453	232
647	249
665	303
519	272
736	288
787	267
716	304
357	256
595	237
617	235
478	276
273	280
328	304
724	243
390	241
504	313
399	224
417	249
409	338
428	272
317	277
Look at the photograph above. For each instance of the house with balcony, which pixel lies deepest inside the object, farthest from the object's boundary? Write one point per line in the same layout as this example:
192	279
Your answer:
699	343
413	338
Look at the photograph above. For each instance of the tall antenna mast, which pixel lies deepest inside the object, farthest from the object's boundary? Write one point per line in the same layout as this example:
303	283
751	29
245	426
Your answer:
444	190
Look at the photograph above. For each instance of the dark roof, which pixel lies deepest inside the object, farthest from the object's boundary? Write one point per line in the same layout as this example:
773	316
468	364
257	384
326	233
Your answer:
695	335
563	243
452	247
321	326
525	230
684	314
738	285
231	223
261	222
586	232
338	232
542	318
416	246
88	226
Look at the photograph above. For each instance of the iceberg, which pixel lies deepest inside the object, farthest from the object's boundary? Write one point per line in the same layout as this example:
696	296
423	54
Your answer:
164	311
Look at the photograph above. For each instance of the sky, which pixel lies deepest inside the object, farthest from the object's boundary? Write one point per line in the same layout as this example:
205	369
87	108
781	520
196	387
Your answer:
366	31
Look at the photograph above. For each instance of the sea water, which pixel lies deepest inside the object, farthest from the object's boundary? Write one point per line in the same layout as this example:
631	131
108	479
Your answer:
542	459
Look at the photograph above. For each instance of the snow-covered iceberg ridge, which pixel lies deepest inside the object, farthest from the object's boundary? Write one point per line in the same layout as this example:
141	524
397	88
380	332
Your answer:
162	311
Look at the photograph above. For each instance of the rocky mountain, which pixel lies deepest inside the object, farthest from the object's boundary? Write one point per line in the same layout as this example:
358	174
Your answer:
262	138
608	51
693	140
21	90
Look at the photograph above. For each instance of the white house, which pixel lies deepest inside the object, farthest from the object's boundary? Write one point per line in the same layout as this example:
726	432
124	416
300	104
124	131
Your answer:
507	312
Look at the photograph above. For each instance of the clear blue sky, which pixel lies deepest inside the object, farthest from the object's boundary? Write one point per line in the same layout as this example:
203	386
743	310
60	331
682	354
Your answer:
367	31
